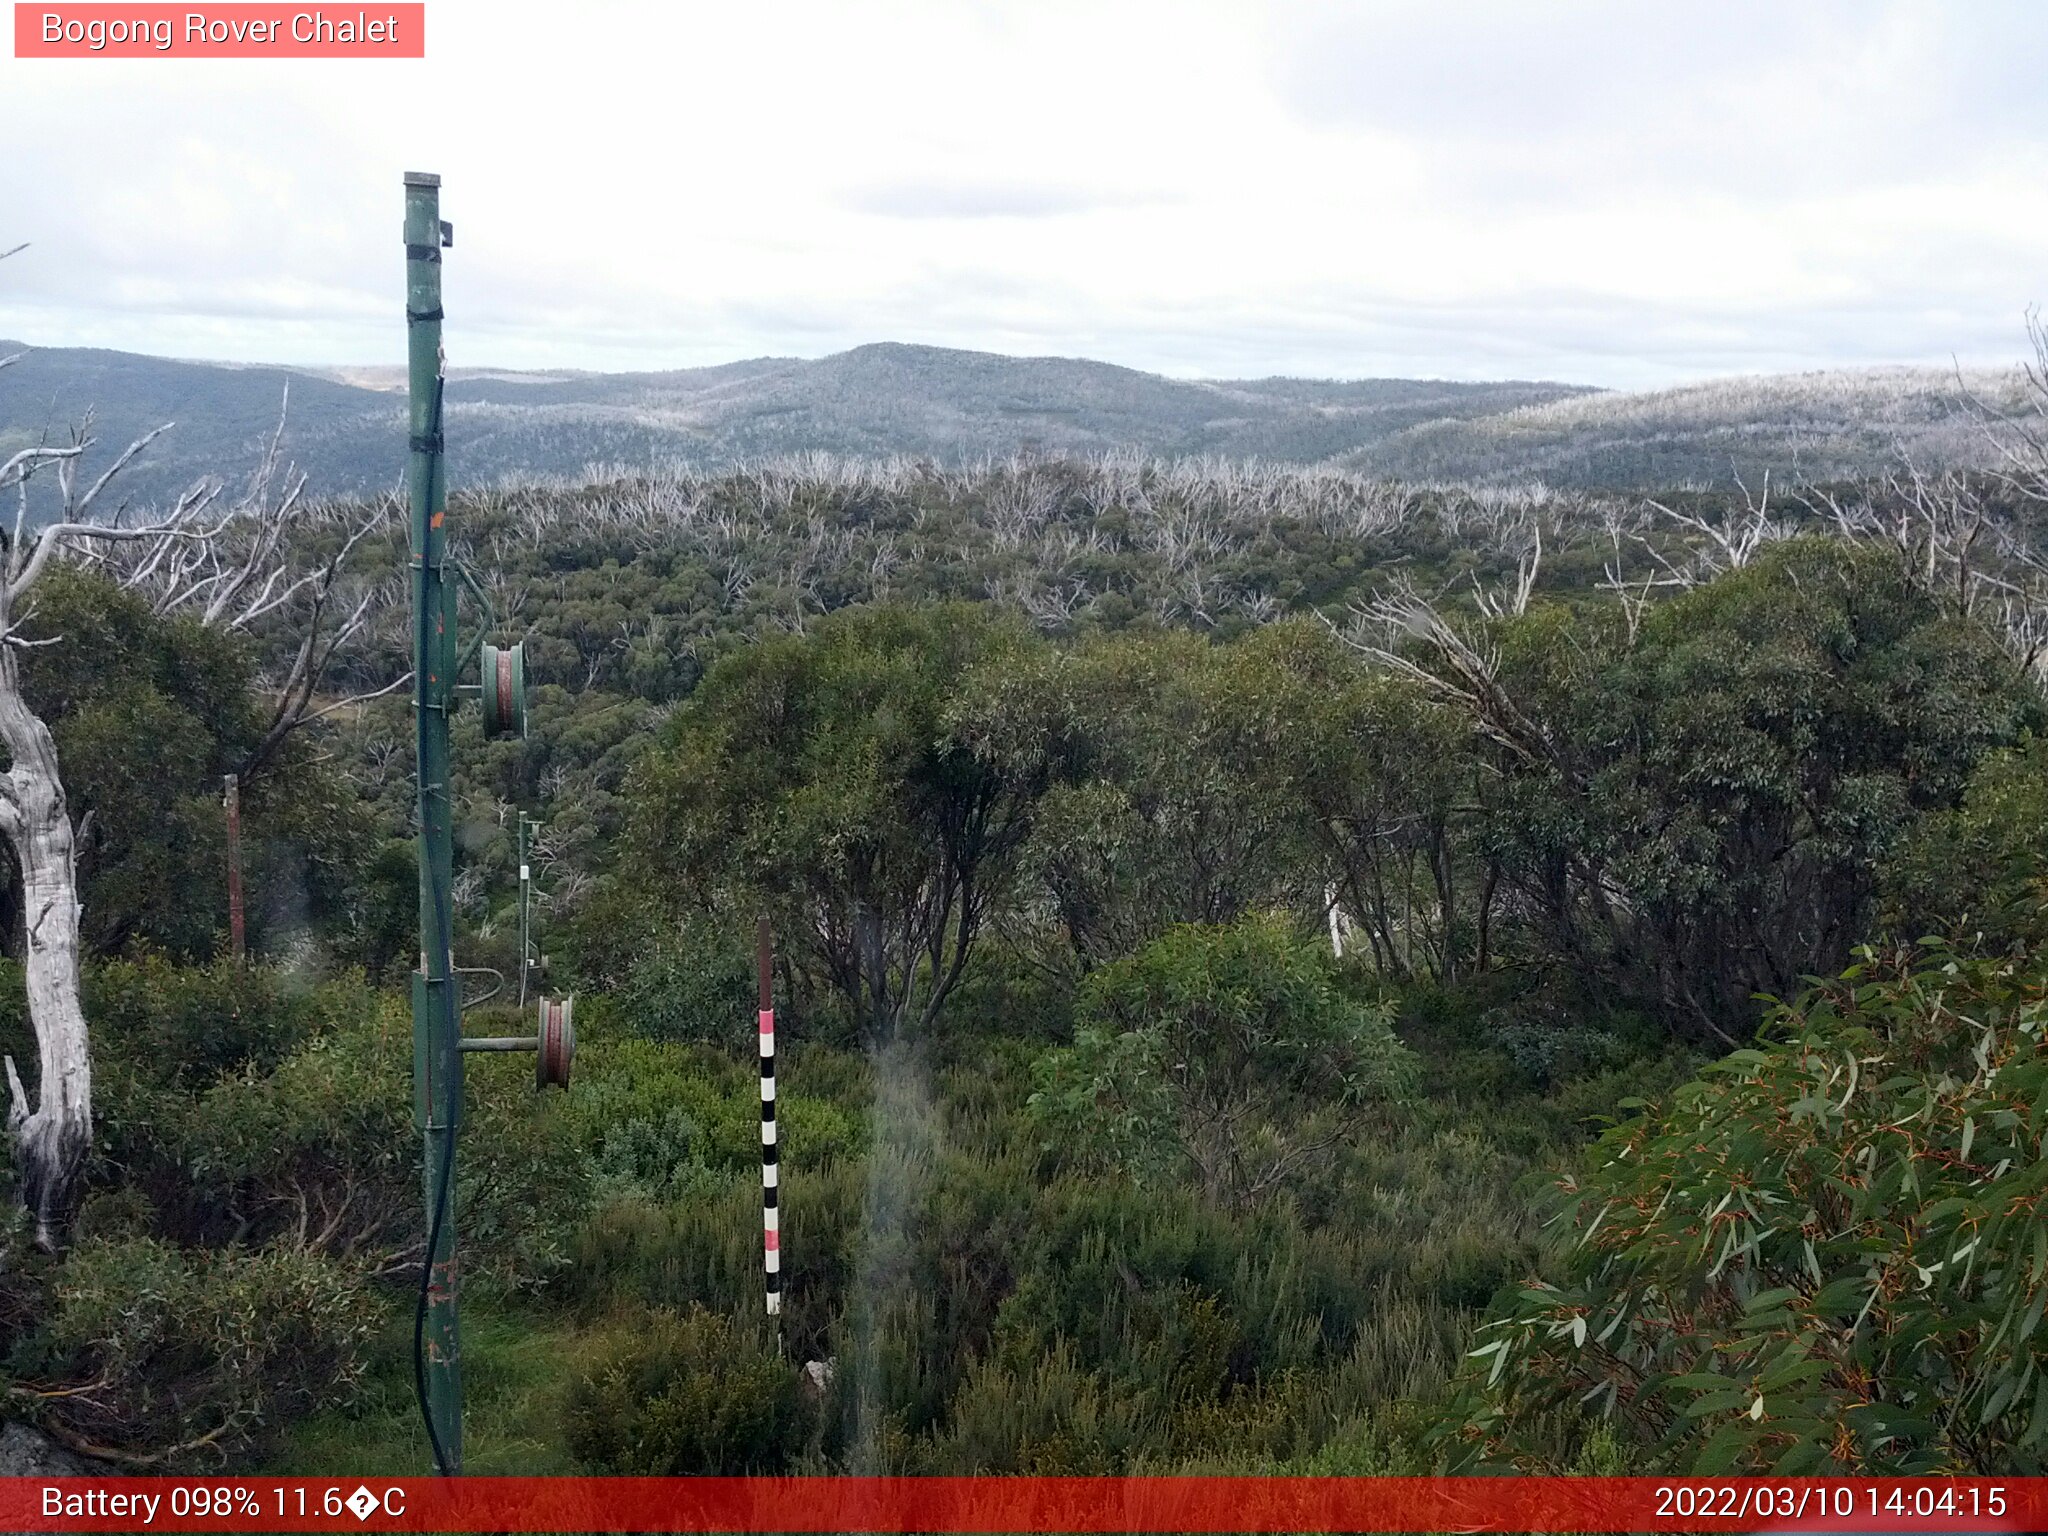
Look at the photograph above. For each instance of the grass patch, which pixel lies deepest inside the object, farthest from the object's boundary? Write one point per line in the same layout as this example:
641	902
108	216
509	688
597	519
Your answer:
516	1364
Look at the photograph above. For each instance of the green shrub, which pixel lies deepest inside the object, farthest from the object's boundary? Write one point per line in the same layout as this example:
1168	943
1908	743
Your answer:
706	1250
1050	1417
1225	1052
319	1151
378	921
692	982
189	1023
652	1114
677	1395
1826	1255
1976	870
184	1352
1002	999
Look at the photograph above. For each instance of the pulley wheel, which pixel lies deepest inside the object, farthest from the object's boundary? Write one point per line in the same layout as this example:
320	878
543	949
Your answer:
504	690
557	1042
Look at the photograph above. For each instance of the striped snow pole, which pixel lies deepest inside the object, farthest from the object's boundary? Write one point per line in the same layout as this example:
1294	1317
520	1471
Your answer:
771	1215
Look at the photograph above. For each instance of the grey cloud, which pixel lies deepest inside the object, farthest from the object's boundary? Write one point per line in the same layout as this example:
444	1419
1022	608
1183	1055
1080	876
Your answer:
1533	101
258	223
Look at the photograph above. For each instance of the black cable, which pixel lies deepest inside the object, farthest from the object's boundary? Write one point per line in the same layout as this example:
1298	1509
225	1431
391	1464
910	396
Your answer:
452	1109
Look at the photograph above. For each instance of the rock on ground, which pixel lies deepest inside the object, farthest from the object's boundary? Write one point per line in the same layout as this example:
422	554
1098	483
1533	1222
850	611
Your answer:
25	1452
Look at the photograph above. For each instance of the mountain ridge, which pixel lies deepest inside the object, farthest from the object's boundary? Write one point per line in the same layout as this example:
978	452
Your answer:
346	422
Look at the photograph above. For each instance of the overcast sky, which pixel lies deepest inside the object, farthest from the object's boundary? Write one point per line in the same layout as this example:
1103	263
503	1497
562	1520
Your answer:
1604	192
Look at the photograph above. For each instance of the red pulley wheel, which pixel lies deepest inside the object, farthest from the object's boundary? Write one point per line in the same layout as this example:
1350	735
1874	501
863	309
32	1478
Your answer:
504	691
503	683
557	1042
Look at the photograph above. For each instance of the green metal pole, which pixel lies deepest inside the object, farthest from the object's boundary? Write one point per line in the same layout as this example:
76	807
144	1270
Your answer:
437	1063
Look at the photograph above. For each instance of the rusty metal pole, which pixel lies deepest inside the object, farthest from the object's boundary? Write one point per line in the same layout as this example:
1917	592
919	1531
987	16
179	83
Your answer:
233	802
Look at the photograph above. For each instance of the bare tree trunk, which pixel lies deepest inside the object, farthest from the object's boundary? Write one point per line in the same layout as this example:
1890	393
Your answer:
53	1139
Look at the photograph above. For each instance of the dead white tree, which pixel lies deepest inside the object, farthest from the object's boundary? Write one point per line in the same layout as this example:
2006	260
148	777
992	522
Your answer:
1460	667
2016	428
231	567
254	568
1632	595
1514	603
1955	545
1726	544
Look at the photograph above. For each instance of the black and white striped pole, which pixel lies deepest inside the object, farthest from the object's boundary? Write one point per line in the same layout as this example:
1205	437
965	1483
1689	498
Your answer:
771	1214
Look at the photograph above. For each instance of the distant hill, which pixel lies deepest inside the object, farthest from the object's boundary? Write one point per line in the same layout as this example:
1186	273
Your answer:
346	425
223	417
1818	426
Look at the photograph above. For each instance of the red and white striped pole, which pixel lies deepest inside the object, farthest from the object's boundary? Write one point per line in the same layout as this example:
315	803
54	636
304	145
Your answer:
771	1215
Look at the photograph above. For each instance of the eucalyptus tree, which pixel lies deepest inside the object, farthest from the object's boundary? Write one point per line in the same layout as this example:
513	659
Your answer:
1384	783
1171	804
851	782
1694	803
233	566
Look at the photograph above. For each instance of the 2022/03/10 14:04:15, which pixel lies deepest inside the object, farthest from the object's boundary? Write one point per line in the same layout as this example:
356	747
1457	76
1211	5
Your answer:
1822	1500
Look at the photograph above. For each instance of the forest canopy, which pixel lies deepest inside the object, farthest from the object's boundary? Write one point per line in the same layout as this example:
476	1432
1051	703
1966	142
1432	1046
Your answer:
1207	901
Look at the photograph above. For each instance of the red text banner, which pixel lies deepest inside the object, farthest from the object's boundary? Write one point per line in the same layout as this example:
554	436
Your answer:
1023	1504
226	31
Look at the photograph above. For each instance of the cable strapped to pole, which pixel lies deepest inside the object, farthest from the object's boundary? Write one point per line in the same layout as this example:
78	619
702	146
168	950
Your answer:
437	1060
771	1214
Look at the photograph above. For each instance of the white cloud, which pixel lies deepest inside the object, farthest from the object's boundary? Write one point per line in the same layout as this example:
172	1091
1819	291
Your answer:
1613	192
